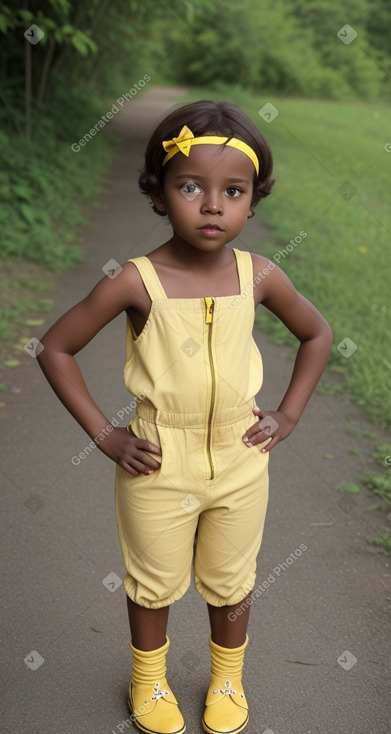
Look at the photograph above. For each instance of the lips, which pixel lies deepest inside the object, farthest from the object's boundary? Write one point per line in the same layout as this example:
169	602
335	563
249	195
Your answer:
211	226
210	231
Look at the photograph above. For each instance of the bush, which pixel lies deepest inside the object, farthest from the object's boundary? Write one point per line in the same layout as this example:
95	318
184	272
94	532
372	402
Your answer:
43	181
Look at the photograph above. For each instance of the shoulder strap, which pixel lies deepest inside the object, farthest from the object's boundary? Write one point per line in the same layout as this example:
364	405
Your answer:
149	277
245	267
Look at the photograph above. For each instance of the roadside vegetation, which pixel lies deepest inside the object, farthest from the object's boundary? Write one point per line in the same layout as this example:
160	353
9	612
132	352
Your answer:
325	69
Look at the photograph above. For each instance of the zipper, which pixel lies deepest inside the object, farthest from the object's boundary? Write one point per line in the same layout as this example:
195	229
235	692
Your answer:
210	303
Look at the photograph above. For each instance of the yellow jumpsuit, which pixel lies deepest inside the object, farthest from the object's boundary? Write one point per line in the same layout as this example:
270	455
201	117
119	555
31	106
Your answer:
207	502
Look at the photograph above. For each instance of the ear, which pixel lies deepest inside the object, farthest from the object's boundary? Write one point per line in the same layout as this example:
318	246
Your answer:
158	200
253	205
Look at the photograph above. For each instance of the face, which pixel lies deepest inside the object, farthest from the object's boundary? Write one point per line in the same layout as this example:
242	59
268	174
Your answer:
207	196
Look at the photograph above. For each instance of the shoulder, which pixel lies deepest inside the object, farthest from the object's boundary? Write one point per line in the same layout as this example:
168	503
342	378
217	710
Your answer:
130	281
269	279
261	265
120	288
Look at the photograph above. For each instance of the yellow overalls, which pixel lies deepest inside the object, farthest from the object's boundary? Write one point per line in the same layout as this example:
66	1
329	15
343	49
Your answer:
202	368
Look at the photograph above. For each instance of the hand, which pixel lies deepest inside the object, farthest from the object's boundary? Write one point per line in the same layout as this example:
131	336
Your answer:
129	452
271	423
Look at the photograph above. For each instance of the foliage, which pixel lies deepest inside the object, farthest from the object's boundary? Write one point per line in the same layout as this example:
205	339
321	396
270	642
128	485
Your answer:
380	484
382	542
349	487
43	181
68	79
288	46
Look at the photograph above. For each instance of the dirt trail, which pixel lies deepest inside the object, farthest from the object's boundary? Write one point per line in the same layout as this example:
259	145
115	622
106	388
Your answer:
319	626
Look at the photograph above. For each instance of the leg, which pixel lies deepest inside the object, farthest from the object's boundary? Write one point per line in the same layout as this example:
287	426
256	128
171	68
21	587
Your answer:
226	706
151	701
227	631
147	626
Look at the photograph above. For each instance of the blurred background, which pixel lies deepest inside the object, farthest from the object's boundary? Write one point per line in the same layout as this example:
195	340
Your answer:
313	75
82	85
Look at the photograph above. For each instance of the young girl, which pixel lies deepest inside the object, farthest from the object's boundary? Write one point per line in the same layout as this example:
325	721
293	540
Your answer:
192	466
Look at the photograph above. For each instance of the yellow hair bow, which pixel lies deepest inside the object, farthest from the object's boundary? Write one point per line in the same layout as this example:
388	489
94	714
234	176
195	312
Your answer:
182	143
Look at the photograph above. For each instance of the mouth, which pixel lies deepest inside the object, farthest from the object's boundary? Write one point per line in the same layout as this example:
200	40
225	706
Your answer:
210	229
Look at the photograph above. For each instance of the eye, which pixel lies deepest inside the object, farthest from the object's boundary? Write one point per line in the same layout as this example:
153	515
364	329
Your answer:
233	191
190	190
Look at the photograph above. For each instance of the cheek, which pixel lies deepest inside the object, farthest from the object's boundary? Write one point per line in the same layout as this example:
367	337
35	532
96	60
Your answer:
183	206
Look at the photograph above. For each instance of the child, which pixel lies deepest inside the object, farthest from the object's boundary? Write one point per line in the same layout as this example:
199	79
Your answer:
192	465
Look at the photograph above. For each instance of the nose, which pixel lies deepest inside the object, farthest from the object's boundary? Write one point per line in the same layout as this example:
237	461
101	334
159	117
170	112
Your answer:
212	203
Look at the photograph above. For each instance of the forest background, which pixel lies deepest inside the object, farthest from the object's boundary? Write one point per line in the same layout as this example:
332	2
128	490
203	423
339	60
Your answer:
314	75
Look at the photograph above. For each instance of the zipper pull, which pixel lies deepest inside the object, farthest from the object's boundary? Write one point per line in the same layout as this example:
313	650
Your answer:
209	302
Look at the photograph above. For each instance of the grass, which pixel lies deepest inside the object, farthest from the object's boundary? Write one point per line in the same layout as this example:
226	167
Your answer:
332	182
382	543
43	186
25	290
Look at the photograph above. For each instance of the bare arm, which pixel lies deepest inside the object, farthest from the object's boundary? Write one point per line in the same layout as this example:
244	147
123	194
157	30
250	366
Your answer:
277	293
67	337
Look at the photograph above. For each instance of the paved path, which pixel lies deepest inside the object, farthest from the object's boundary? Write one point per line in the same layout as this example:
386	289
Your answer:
326	597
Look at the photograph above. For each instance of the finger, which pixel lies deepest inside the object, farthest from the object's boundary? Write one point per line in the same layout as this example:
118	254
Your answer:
141	462
144	445
150	462
137	468
256	435
129	469
252	433
269	446
143	456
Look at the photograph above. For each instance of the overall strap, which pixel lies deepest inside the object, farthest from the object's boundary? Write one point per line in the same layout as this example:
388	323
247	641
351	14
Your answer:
149	277
245	268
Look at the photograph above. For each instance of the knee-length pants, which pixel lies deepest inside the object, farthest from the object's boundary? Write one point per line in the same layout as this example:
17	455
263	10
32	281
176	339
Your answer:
179	515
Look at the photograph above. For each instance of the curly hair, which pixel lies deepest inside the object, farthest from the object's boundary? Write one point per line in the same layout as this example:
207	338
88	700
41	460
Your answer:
206	117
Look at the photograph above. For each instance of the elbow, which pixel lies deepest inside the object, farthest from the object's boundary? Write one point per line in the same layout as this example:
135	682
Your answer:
329	333
327	337
42	358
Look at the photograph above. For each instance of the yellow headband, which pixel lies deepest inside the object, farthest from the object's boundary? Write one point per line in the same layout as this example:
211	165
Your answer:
186	139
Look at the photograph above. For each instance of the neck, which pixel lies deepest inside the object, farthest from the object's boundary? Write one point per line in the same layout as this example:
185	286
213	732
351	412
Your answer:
191	257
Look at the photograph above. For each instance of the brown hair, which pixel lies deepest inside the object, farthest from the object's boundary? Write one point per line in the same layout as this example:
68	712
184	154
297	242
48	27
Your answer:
206	117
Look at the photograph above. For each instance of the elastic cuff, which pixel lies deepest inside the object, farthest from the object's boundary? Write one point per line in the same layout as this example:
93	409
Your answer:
131	591
217	601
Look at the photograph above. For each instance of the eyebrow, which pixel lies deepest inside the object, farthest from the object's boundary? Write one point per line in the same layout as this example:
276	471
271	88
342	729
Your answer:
228	180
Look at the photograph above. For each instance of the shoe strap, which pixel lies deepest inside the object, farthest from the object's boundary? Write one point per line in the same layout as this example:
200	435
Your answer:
159	693
217	693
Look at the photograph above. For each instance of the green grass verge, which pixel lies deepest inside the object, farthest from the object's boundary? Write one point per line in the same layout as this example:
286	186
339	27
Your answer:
332	182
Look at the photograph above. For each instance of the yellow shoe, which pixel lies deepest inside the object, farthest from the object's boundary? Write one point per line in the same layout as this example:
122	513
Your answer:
226	709
151	702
